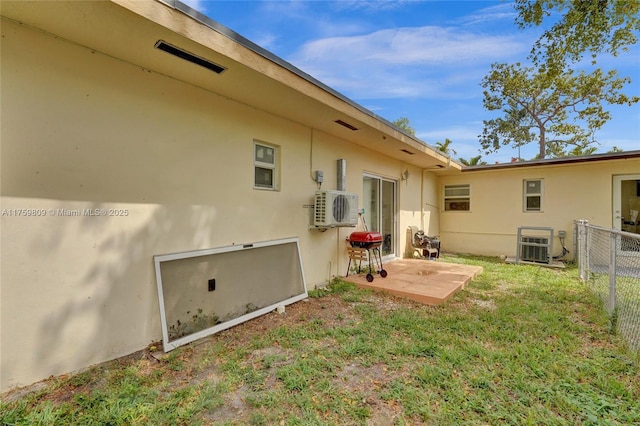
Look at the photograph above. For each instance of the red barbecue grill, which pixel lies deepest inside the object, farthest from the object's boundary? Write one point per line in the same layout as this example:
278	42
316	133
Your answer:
371	242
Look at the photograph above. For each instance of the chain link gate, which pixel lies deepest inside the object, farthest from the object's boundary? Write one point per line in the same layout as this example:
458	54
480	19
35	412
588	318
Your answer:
609	262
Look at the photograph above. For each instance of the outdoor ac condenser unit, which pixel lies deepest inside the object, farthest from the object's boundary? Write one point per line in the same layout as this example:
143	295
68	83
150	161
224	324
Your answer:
335	208
534	253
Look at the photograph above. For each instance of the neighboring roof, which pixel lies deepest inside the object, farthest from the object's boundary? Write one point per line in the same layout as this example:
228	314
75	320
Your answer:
556	161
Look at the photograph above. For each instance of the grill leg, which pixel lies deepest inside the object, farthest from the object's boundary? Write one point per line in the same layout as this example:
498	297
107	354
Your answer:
381	271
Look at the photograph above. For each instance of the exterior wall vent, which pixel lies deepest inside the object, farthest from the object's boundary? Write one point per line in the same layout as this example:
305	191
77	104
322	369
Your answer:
347	125
187	56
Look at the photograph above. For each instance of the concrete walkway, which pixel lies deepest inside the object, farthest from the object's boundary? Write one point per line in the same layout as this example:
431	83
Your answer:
425	281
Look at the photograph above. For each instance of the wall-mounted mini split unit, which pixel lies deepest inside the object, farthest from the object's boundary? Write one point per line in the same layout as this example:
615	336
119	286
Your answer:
335	209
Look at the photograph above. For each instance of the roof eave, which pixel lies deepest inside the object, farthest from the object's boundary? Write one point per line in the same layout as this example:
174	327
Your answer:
556	161
443	160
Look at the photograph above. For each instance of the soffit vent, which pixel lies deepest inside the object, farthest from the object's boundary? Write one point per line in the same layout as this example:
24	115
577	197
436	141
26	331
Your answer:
187	56
347	125
406	151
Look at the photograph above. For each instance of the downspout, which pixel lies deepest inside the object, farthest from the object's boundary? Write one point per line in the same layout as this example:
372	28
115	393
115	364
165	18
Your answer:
422	203
421	199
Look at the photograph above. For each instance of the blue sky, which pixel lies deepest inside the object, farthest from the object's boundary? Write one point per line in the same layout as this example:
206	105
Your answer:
423	60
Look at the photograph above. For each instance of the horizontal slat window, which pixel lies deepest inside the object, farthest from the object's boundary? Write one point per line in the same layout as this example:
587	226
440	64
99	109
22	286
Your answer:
457	197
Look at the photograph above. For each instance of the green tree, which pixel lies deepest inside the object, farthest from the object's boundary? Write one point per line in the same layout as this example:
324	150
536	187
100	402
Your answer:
403	123
557	111
582	150
550	103
585	27
445	147
473	161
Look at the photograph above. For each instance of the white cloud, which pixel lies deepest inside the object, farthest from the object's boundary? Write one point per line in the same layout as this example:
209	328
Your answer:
412	46
425	61
265	40
371	5
464	140
504	11
456	133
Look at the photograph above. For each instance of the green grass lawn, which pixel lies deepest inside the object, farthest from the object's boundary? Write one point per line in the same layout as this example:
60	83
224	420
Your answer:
520	345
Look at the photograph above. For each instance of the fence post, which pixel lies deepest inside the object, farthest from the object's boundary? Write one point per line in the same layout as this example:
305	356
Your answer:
612	273
582	249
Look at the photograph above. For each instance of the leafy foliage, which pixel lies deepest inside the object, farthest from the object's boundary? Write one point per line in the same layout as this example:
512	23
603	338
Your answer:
554	110
473	161
445	147
403	123
549	102
585	27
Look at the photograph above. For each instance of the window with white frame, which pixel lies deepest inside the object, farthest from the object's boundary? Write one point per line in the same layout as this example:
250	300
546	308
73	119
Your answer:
457	198
533	195
265	164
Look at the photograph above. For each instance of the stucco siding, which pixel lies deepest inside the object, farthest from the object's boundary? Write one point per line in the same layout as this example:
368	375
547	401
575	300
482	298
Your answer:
571	192
171	164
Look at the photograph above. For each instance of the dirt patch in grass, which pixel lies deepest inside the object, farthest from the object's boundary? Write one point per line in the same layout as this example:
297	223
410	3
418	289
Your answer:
350	380
486	304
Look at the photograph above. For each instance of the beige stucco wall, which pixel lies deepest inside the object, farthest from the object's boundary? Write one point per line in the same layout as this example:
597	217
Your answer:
571	192
81	130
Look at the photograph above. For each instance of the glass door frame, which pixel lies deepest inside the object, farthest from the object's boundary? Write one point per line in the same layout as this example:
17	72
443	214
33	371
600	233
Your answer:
623	249
394	211
618	214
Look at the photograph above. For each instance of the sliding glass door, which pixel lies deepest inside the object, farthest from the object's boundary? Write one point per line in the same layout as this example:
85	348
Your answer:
379	202
626	205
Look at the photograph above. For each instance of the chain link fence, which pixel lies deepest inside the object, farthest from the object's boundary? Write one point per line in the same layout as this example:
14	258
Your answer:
609	261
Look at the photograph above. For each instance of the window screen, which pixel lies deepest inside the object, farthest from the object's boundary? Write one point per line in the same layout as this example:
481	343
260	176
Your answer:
206	291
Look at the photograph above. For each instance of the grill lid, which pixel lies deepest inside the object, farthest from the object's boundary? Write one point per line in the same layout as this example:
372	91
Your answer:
365	237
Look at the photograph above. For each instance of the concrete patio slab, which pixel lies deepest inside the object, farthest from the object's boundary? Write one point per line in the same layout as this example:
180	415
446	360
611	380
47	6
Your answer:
425	281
